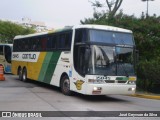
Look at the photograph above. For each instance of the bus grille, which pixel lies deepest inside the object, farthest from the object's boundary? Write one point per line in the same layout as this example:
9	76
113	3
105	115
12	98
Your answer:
110	81
121	81
115	81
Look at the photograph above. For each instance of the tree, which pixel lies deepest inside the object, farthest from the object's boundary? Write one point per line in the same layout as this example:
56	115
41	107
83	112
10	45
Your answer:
147	38
112	5
9	30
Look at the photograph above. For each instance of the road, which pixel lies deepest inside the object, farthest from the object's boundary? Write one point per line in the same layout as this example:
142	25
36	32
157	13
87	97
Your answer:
16	95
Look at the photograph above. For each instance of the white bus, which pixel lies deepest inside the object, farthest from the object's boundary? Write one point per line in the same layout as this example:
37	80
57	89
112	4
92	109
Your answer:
5	57
88	59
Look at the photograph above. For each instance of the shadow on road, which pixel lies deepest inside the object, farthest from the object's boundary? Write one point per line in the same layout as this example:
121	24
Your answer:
99	98
91	98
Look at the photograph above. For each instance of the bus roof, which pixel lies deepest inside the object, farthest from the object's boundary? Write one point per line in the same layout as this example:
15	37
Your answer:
42	33
103	27
30	35
89	26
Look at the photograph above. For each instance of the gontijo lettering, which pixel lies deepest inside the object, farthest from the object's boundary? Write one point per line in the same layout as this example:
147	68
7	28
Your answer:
29	56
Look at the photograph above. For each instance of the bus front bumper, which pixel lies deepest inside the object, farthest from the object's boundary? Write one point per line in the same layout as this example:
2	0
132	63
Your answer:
105	89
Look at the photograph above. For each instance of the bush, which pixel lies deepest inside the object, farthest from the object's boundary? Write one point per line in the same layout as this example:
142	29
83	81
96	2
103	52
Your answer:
148	72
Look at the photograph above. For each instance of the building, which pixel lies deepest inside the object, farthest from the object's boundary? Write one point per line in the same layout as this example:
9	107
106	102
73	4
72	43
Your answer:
37	25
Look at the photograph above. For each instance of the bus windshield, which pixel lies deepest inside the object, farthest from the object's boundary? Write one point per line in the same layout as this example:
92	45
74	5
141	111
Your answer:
114	61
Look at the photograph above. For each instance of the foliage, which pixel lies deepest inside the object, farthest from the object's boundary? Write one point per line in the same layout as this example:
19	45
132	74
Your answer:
112	5
9	30
148	72
146	30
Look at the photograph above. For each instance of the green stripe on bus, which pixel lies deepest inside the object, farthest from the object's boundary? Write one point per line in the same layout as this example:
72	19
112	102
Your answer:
49	66
52	66
44	67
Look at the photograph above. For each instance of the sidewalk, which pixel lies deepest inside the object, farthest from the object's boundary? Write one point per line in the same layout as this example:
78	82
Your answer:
147	95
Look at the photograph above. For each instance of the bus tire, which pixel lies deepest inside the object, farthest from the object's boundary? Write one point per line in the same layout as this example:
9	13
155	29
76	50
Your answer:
24	75
65	85
20	73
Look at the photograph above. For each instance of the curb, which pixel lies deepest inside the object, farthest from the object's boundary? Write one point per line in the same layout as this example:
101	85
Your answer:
146	96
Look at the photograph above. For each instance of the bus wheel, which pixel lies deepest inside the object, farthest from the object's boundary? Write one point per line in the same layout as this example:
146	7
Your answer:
65	86
20	73
24	75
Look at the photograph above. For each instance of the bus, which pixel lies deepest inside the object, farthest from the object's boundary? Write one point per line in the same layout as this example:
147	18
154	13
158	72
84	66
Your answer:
87	59
5	57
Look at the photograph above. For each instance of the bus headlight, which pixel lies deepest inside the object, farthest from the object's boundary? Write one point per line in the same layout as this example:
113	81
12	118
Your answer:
94	81
131	89
97	88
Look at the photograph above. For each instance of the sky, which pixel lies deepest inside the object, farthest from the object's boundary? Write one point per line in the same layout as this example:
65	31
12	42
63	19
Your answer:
59	13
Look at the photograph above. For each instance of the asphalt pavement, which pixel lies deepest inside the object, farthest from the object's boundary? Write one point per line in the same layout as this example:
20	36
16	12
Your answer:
31	96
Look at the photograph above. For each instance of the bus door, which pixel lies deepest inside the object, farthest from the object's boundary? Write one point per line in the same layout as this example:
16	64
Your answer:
81	59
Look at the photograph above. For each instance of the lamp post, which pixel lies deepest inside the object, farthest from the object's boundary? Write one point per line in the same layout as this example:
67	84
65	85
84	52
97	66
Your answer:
147	5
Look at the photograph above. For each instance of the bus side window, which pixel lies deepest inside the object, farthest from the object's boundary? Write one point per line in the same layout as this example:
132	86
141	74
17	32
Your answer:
1	50
26	47
30	44
38	44
54	42
49	43
33	47
20	45
61	41
81	35
68	40
64	41
15	47
43	43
